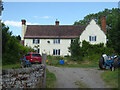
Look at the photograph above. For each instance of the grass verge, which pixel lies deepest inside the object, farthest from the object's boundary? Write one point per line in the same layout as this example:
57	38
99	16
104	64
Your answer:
86	63
12	66
50	79
111	78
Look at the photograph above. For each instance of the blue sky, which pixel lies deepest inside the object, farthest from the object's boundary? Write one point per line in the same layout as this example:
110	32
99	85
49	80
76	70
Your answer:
45	13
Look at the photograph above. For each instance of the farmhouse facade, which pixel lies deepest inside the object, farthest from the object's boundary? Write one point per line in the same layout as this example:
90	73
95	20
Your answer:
55	39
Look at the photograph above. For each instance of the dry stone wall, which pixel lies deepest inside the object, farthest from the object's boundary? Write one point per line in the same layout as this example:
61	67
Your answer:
24	77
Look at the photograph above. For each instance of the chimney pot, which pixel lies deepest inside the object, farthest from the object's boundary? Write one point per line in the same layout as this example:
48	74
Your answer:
57	22
23	22
103	23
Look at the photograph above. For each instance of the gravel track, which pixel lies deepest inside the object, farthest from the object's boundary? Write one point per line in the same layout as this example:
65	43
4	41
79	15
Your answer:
67	77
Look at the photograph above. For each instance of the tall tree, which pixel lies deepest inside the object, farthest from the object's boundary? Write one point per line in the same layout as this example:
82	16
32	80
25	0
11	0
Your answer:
75	50
112	25
1	7
11	48
18	37
114	33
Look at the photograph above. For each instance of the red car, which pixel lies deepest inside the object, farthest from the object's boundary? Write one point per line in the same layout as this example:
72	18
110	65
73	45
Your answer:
34	57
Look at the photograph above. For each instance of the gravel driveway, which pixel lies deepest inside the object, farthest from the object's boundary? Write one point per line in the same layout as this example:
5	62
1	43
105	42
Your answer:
77	77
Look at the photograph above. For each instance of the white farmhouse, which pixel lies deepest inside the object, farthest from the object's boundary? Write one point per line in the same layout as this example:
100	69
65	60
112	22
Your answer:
55	39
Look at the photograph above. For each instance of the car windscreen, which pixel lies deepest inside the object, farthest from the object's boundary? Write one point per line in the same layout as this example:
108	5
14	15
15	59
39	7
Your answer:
36	55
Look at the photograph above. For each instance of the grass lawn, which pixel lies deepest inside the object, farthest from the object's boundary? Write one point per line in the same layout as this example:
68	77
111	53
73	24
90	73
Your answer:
111	78
12	66
50	79
54	61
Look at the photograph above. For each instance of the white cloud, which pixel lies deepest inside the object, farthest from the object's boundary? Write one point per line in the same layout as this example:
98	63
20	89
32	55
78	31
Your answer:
16	23
46	17
35	16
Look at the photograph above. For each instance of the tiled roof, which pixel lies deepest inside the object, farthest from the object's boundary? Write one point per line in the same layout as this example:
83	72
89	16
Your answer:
53	31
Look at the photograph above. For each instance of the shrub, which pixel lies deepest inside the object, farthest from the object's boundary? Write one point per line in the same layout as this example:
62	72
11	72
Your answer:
12	51
92	52
76	51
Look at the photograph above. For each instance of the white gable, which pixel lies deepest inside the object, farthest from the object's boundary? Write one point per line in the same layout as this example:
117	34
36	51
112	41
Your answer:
93	30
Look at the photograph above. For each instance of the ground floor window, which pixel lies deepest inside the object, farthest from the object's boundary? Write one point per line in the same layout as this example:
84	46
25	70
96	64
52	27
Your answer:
37	50
56	51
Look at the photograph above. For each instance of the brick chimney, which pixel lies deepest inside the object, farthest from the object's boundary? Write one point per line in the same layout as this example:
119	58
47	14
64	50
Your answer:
23	29
23	22
56	22
103	24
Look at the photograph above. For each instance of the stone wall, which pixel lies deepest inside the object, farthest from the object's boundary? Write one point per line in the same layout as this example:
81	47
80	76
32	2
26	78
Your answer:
23	78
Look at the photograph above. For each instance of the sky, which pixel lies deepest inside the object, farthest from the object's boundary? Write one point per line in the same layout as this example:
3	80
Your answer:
45	13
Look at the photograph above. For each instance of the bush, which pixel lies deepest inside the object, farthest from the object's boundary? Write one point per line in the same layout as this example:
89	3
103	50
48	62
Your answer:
12	51
54	60
88	51
76	51
99	49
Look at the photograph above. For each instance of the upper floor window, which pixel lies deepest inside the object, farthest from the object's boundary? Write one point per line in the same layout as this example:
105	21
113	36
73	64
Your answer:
72	40
36	41
92	38
56	41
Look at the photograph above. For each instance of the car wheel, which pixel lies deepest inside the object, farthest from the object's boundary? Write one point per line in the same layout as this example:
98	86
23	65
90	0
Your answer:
39	62
101	63
112	68
115	62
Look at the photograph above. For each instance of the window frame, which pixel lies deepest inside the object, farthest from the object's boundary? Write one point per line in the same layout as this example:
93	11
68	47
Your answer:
56	41
56	52
36	41
72	40
92	38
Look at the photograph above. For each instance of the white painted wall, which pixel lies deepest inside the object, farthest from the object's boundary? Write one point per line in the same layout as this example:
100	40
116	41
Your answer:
48	47
93	29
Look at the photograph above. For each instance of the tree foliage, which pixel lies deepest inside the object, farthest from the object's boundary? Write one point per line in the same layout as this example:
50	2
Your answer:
114	34
78	52
112	25
89	49
1	7
18	37
75	50
12	51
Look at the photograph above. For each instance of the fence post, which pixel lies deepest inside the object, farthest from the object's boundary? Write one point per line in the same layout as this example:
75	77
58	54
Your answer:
44	58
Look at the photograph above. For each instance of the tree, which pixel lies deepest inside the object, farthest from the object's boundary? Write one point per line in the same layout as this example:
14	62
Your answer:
1	7
114	33
75	49
12	51
18	37
112	24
